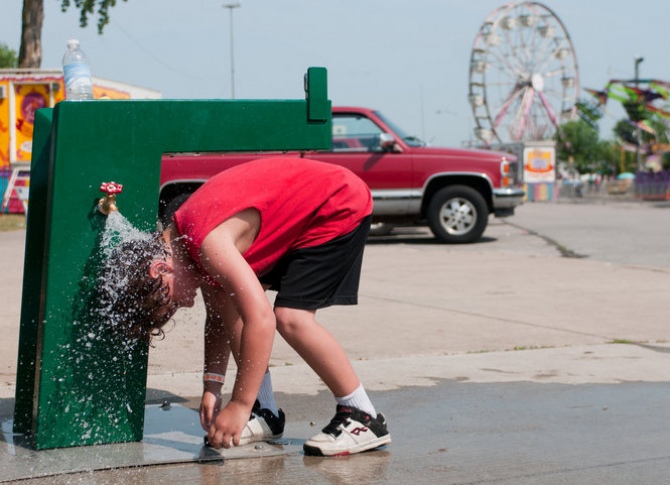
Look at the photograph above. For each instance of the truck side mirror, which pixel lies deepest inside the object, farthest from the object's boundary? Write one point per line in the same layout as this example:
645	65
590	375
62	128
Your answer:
386	142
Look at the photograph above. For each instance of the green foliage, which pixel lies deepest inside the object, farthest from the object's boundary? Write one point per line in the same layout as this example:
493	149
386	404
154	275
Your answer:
87	7
8	57
577	142
608	159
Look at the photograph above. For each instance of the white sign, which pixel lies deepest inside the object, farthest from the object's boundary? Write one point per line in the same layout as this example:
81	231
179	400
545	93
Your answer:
539	164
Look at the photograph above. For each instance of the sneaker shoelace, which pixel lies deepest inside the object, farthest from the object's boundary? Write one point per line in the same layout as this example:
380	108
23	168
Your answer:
341	418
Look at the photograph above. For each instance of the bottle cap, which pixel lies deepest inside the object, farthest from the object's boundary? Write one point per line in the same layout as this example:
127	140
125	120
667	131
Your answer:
73	43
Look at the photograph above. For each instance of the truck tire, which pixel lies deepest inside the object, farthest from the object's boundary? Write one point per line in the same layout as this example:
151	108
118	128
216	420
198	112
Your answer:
457	214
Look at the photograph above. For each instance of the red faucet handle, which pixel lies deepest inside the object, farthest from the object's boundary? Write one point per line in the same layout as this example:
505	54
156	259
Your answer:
111	188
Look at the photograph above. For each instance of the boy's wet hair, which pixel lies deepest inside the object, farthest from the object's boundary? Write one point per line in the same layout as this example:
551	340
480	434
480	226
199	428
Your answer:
131	301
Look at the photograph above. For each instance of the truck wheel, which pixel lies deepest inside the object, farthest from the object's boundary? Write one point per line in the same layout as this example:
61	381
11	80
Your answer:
171	207
457	214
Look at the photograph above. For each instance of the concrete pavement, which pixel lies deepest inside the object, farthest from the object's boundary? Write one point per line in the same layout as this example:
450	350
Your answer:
487	352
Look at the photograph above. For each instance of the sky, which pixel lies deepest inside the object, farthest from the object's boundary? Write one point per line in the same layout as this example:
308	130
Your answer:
410	60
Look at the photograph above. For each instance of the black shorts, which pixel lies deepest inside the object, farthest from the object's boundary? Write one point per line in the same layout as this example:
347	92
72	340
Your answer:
320	276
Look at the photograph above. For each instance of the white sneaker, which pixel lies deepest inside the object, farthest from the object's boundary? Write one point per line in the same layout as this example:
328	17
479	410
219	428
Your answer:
350	431
263	425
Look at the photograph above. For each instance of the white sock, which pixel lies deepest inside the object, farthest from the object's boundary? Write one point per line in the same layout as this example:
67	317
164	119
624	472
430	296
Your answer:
266	396
358	399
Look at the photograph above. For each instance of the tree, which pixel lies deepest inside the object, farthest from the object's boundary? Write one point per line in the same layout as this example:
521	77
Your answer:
32	18
7	56
577	142
87	7
30	51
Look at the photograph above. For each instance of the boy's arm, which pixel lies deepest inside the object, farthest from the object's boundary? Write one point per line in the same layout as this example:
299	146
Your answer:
217	330
217	352
223	260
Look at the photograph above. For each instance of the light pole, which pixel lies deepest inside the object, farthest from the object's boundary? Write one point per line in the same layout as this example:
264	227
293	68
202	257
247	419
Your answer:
638	60
230	7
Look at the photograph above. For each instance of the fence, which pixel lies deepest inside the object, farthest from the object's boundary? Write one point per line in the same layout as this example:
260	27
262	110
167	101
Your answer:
652	185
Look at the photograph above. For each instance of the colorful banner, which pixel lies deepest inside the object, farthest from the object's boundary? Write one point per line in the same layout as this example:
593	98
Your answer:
5	132
28	99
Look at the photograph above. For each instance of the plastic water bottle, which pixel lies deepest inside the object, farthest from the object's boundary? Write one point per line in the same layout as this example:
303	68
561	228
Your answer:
76	72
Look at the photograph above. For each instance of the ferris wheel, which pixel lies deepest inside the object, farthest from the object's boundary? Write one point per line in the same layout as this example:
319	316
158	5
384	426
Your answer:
524	80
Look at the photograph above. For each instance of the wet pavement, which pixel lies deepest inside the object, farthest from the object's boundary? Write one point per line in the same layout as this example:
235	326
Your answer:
498	362
509	433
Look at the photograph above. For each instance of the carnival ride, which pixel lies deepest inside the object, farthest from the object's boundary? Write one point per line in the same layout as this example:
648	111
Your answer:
524	79
646	104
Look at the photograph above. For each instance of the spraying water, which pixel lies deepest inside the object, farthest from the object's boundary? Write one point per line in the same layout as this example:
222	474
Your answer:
119	230
98	364
118	258
129	300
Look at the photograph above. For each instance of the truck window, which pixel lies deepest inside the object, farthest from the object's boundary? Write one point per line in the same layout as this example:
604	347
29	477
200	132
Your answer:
354	133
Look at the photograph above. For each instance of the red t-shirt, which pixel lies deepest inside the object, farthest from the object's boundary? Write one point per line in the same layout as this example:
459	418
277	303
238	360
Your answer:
301	202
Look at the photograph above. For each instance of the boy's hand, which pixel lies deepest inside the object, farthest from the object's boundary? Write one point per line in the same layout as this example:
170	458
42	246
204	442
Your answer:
210	405
228	425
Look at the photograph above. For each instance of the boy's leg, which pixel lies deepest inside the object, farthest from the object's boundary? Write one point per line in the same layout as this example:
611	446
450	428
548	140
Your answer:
356	427
324	354
317	277
266	395
318	348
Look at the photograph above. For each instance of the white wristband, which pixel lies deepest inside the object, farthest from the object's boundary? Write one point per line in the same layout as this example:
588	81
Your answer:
213	377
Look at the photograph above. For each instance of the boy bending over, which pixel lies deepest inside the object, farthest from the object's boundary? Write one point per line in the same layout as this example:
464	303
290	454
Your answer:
292	225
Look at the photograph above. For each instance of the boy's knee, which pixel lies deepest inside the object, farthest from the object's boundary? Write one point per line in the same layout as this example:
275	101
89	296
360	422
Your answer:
284	318
290	320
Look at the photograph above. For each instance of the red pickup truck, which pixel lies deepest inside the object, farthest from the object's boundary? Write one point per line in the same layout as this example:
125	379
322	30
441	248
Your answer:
453	191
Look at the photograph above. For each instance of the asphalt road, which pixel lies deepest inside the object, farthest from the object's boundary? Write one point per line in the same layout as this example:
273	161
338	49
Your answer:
626	232
537	355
